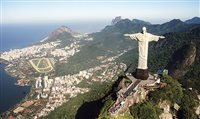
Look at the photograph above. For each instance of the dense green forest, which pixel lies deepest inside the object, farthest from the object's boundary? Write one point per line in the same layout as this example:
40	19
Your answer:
161	55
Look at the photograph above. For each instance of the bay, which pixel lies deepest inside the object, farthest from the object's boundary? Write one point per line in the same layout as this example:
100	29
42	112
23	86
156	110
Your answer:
10	94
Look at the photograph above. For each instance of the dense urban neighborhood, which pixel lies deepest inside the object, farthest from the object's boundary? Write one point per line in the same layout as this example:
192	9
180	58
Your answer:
34	66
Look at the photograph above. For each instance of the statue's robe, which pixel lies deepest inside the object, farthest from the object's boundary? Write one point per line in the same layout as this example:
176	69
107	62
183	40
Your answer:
143	43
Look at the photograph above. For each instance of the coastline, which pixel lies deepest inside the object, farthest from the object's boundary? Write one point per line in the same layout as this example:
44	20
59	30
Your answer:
8	111
2	61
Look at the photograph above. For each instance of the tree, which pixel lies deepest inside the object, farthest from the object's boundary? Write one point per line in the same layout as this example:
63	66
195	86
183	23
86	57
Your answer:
172	92
188	104
145	110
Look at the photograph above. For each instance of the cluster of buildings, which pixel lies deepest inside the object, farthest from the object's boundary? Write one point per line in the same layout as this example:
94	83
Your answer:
22	82
52	92
66	52
110	59
89	39
103	72
35	50
55	91
24	107
42	86
42	50
109	71
66	85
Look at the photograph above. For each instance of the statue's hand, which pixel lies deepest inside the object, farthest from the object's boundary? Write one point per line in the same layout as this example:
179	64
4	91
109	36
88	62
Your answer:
126	35
162	37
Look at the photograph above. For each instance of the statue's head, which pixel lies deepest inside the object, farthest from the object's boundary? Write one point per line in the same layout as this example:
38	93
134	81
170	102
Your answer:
144	29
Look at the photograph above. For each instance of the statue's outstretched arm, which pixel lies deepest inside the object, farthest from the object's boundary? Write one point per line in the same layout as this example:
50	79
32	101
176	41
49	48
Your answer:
132	36
162	37
156	38
127	34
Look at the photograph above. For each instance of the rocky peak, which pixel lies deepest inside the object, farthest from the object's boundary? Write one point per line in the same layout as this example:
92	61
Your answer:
61	30
124	22
116	19
137	21
183	58
64	29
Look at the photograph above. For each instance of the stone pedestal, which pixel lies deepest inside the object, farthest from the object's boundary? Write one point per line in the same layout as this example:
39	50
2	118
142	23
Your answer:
142	74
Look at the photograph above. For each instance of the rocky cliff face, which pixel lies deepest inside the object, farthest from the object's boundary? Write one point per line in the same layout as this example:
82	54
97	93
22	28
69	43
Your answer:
182	60
198	108
165	105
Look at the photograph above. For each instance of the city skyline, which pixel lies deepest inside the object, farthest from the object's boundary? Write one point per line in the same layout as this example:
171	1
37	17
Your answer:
48	11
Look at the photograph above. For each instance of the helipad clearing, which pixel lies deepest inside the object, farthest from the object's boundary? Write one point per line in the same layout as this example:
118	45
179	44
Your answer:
42	65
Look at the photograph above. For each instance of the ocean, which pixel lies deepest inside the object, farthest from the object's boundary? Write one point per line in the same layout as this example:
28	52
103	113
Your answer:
23	35
10	94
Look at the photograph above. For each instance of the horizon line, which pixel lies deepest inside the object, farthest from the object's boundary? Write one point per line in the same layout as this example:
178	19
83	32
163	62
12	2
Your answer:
98	1
107	20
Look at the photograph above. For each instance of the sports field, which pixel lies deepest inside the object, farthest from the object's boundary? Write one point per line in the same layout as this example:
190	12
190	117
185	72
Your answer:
42	65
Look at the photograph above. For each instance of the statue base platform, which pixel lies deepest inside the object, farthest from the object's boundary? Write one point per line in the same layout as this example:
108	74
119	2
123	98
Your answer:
142	74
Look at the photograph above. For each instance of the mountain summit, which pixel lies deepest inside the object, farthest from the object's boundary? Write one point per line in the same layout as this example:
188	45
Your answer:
173	22
62	33
137	21
194	20
63	29
115	20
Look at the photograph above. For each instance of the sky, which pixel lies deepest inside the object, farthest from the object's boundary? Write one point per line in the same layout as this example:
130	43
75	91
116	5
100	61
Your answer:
54	11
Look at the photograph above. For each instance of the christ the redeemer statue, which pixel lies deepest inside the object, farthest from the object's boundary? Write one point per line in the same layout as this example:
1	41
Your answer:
143	41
